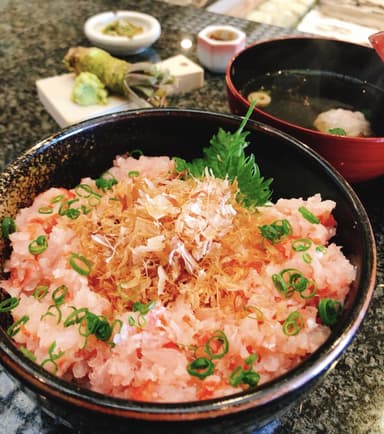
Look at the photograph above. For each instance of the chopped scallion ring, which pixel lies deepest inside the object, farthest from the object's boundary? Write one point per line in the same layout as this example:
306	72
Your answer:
40	292
293	324
8	304
217	345
301	244
45	210
329	310
14	328
276	231
38	245
80	264
201	368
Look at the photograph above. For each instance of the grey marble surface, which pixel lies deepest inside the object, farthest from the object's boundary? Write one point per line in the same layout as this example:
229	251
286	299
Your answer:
34	36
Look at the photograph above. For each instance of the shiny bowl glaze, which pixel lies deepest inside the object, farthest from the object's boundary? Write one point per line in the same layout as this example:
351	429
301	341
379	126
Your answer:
356	158
87	149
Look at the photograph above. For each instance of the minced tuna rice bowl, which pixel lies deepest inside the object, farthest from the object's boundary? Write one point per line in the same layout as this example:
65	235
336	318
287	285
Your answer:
149	285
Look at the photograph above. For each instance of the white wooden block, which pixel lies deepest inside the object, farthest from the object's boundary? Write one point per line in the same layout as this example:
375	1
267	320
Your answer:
55	95
187	74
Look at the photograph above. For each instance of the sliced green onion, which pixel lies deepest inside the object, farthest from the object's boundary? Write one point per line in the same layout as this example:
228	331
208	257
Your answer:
251	359
136	153
293	324
52	357
106	182
290	280
14	328
102	329
321	249
217	345
308	215
236	376
142	307
240	376
133	173
307	258
276	231
8	304
40	292
301	244
8	226
66	206
38	245
201	368
45	210
254	312
329	311
73	213
57	198
80	264
27	353
58	295
76	317
251	378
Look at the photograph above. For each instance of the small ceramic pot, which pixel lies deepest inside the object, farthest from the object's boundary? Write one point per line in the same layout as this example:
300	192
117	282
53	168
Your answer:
217	44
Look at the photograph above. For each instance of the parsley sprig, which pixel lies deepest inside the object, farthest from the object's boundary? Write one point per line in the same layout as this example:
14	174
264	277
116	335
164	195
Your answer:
226	158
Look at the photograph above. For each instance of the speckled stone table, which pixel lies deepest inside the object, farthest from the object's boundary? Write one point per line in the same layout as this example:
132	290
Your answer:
34	36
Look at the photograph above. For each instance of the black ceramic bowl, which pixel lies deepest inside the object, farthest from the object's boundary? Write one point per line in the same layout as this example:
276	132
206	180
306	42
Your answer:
88	149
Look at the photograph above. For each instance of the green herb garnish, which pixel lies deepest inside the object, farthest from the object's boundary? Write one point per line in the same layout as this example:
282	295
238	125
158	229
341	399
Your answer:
226	159
337	131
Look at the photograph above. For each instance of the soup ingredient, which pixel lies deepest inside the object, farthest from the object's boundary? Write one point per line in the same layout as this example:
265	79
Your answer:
260	97
141	82
226	159
353	123
89	90
122	28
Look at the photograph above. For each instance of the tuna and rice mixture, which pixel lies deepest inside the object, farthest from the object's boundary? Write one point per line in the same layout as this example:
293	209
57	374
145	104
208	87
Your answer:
147	285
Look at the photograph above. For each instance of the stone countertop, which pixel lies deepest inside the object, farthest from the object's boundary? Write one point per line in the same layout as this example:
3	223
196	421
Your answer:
34	36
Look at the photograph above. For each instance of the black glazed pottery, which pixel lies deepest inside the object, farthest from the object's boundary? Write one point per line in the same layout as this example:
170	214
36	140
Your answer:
88	149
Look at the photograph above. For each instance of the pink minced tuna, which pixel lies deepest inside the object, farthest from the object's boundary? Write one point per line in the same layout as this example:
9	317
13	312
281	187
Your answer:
148	286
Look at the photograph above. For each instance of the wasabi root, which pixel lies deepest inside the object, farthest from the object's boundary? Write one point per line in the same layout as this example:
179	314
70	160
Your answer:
89	90
140	82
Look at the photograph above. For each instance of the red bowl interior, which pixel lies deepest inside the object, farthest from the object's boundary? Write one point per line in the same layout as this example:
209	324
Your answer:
356	158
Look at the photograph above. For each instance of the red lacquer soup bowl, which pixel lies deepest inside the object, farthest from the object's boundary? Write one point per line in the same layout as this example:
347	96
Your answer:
306	76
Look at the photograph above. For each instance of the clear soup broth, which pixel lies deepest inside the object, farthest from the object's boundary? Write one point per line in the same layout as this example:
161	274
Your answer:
299	96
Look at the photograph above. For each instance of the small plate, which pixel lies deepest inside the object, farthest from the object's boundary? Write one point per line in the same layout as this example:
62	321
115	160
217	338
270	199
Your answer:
116	44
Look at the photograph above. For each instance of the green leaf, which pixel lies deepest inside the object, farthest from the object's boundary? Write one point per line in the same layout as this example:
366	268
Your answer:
226	158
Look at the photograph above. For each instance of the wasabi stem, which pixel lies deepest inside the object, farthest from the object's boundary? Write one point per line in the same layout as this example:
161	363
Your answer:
140	82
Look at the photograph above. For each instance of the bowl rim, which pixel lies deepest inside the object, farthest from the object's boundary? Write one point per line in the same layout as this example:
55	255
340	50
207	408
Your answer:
353	141
321	360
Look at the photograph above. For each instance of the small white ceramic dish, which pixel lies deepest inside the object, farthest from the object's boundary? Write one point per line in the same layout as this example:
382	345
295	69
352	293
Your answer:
217	44
150	31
